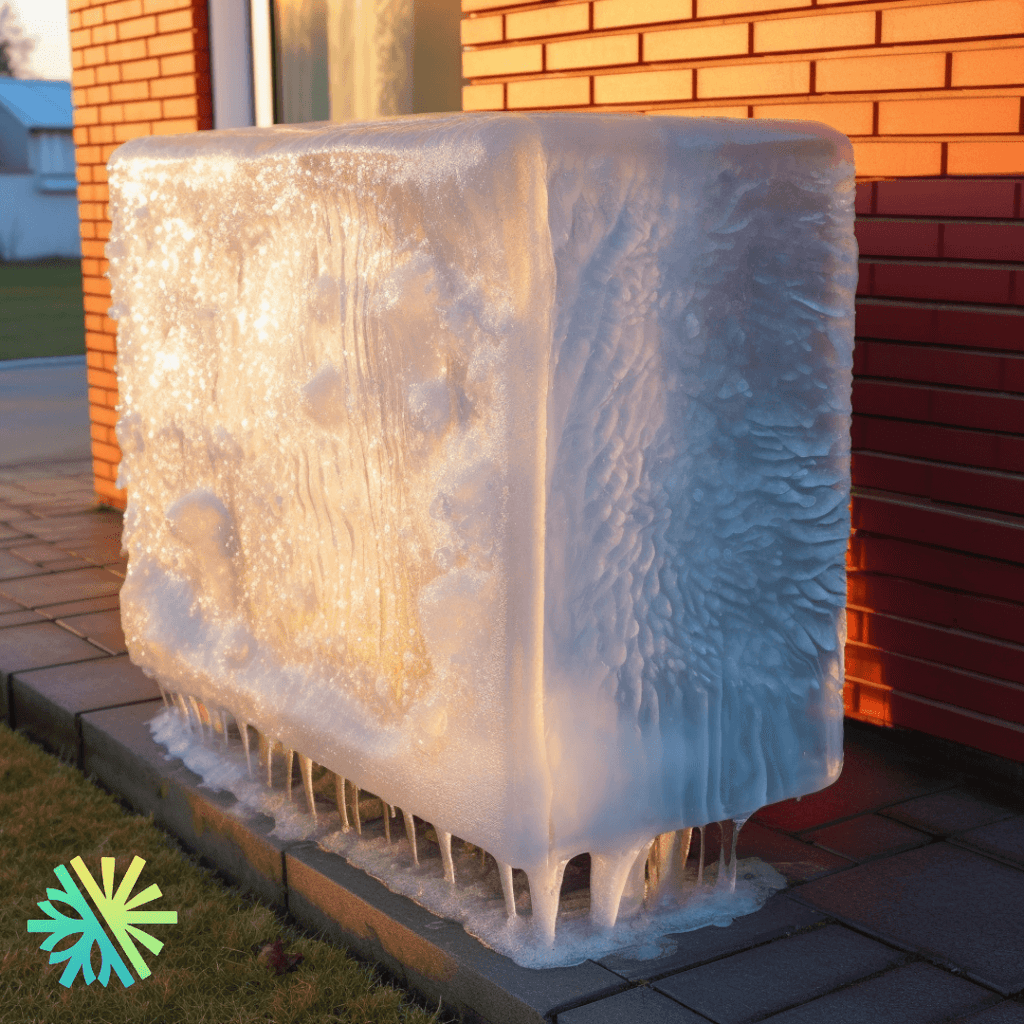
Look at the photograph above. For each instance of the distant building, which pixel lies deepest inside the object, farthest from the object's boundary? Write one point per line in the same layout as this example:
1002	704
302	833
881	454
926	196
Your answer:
38	201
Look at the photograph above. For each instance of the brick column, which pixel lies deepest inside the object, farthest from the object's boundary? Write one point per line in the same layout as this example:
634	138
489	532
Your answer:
140	67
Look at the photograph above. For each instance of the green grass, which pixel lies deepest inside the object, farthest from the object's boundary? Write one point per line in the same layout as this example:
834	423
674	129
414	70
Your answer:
41	309
207	972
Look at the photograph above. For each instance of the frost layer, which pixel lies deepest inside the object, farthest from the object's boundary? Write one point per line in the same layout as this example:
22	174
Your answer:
498	463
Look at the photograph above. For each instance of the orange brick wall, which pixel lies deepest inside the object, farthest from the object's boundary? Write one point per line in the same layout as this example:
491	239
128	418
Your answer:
921	88
140	67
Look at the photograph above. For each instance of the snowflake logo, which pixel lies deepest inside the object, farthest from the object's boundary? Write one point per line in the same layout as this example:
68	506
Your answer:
118	910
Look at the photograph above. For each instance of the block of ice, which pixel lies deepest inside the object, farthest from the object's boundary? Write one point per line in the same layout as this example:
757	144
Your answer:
499	464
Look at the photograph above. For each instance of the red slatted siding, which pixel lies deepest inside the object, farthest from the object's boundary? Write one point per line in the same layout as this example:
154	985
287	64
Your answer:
936	561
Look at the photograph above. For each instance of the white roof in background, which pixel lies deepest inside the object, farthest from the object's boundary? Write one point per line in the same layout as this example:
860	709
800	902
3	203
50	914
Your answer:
37	103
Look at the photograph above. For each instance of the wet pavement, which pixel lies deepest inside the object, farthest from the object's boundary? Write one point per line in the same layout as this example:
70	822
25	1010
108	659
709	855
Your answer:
905	897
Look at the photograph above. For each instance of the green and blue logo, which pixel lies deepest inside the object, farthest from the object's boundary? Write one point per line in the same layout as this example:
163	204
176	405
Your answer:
117	909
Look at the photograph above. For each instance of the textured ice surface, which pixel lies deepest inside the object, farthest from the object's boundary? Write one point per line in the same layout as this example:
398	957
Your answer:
499	463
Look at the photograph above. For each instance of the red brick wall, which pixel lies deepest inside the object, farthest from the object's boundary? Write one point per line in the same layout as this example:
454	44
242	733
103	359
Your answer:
140	67
936	561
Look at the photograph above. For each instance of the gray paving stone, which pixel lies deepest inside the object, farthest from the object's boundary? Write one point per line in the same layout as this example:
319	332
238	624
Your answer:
915	994
47	702
867	836
1008	1012
784	973
944	814
103	628
436	957
60	587
118	750
778	917
100	523
871	779
38	552
796	860
636	1006
37	645
104	603
71	562
951	905
98	549
67	505
1000	839
20	618
50	485
12	567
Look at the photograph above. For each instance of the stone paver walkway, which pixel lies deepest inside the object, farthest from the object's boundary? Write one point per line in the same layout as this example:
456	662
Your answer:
906	878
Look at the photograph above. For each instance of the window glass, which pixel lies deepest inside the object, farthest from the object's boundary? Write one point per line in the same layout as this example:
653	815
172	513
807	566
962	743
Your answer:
344	60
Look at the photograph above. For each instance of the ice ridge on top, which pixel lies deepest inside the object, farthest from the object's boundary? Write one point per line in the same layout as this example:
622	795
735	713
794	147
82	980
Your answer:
498	463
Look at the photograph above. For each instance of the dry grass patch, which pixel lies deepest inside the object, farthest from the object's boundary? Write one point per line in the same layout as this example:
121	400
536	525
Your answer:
209	971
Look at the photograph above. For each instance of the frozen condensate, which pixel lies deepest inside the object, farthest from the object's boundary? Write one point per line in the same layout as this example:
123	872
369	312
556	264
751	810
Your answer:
498	464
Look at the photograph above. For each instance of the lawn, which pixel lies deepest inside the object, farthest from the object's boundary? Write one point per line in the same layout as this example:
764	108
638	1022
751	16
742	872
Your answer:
41	309
213	968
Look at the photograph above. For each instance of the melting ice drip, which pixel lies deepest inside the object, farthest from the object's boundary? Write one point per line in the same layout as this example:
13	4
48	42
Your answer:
498	464
689	880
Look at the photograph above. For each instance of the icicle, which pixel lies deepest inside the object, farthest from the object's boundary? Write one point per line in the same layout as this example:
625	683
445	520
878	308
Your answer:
635	890
609	874
355	810
183	708
700	863
444	840
223	718
660	864
163	694
243	731
306	767
339	797
387	822
267	754
727	871
410	831
505	874
667	864
685	837
289	760
545	889
195	705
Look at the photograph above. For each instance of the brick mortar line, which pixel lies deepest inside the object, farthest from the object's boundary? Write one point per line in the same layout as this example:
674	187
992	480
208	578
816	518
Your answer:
655	107
934	262
1002	474
936	304
933	93
810	53
785	14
